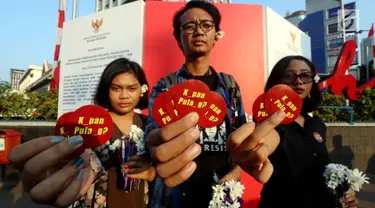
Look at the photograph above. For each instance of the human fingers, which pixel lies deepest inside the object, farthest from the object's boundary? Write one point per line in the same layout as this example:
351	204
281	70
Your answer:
176	146
48	159
135	158
271	141
69	195
262	175
181	176
20	154
176	164
236	138
159	136
55	183
262	130
136	170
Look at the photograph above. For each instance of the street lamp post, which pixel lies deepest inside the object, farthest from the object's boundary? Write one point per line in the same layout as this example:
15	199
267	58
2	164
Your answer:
344	36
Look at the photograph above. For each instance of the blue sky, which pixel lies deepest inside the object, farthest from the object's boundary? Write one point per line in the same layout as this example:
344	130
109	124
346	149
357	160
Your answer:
28	28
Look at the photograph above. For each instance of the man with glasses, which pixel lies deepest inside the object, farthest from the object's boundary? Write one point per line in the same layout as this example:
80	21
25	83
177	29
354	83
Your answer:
204	161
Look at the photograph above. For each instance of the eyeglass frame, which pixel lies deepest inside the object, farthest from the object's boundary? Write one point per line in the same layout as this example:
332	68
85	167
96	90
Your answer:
300	77
198	25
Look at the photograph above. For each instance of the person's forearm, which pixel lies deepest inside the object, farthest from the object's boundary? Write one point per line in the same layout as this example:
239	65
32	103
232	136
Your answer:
236	173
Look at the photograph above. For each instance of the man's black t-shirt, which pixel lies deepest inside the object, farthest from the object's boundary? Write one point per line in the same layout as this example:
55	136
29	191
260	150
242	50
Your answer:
197	191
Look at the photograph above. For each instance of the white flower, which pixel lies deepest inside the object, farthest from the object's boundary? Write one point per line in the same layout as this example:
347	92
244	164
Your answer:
116	144
316	78
144	88
218	192
356	179
135	133
140	147
235	189
235	204
220	34
336	175
215	203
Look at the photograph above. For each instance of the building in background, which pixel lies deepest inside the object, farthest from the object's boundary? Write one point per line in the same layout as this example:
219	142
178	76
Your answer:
322	24
43	83
32	74
296	17
368	56
107	4
15	77
313	6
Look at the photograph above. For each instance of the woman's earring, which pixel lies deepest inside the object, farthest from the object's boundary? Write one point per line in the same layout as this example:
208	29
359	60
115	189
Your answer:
142	95
309	96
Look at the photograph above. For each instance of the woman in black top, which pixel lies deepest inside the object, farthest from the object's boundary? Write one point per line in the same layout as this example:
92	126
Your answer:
299	160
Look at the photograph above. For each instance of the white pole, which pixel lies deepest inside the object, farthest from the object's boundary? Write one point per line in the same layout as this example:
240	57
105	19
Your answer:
97	6
110	3
119	2
103	4
367	66
344	36
343	20
74	9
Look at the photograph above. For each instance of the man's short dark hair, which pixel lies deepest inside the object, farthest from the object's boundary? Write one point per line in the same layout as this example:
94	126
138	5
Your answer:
113	69
208	7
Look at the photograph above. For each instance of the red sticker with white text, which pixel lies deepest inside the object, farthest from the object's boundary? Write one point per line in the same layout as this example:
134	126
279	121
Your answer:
215	111
169	104
191	96
282	97
94	124
63	126
259	109
159	111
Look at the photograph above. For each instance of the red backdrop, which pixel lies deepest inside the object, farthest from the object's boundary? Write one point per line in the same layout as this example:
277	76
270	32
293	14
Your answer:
240	53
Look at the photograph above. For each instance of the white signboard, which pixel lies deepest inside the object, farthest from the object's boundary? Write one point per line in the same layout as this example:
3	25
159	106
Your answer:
89	43
282	39
2	144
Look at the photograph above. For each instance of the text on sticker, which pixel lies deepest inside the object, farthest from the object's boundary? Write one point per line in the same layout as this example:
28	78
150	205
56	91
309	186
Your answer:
165	119
188	102
194	94
260	112
282	107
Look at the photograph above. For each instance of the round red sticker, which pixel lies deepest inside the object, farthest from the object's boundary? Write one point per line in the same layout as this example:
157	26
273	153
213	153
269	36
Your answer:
169	104
215	111
63	125
94	124
159	112
191	96
259	109
284	99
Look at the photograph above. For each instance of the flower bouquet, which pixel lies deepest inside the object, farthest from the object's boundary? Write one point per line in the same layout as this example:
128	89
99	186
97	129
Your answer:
227	195
126	147
340	179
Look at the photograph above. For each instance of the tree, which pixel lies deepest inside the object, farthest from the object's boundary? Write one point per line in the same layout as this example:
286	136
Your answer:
4	86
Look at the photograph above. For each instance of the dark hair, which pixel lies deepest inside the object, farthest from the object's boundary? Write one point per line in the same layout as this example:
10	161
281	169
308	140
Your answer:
208	7
309	104
116	67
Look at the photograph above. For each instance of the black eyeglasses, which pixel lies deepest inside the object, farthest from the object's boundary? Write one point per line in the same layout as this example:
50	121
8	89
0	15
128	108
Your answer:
191	27
290	78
